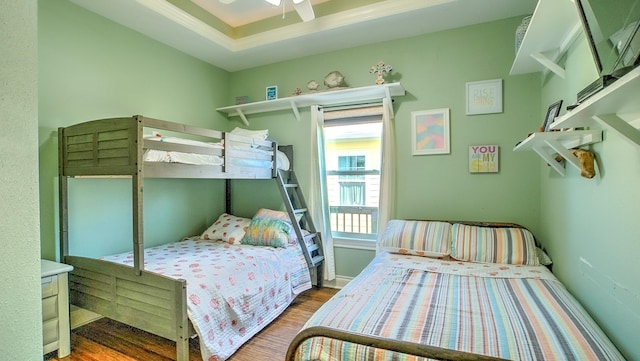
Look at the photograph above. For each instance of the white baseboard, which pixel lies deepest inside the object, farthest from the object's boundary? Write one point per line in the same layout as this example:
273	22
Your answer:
338	282
80	317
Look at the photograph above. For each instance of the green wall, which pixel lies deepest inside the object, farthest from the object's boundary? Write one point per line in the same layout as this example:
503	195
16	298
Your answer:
433	69
20	301
589	226
92	68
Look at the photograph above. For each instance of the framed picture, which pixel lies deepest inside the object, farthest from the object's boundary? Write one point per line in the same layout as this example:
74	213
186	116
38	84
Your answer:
552	113
430	132
272	92
483	159
484	97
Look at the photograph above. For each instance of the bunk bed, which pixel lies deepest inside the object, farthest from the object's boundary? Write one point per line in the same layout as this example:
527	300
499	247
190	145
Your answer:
453	291
133	288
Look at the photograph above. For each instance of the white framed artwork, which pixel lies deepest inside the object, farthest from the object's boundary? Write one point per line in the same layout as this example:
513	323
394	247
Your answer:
484	97
430	132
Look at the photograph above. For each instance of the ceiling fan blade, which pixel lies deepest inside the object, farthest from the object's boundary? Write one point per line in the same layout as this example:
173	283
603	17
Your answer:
304	9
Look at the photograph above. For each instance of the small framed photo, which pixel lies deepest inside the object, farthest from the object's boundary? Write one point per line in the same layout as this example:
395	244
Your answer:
484	97
430	132
272	92
552	114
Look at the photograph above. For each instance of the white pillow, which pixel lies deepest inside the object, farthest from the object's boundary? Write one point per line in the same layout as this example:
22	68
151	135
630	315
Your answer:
283	161
260	134
227	228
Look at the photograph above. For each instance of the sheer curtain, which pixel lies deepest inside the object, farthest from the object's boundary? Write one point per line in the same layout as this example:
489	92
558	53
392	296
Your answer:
319	201
388	178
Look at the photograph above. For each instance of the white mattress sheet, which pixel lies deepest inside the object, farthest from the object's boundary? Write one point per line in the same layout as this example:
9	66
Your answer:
154	155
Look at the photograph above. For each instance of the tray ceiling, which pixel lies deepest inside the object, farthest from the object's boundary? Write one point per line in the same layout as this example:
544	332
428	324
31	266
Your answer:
250	33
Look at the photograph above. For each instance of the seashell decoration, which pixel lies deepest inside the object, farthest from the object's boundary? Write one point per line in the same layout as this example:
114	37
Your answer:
313	85
333	79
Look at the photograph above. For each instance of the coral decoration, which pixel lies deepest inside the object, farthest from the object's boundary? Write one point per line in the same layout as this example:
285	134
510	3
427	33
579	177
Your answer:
379	69
587	162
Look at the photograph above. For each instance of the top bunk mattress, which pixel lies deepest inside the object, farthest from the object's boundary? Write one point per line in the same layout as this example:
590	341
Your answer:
254	156
118	147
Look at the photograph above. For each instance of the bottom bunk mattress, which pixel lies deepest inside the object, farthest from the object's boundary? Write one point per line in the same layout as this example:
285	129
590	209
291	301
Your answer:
233	290
504	311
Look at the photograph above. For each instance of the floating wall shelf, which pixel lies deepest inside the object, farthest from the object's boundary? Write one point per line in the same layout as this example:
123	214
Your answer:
331	97
548	144
553	27
617	106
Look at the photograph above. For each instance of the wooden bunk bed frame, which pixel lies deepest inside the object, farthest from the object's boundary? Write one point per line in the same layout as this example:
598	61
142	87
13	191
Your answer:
115	148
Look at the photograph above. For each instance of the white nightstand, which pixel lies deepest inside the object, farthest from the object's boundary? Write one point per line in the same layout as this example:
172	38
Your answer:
55	307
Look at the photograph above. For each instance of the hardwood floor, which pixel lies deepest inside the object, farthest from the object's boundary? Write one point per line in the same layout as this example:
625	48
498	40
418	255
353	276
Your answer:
108	340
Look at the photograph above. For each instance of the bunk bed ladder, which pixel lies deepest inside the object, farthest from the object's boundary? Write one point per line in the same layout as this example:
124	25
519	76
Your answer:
297	208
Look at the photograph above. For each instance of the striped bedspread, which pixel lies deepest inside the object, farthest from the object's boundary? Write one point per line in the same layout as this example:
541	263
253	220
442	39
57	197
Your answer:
511	312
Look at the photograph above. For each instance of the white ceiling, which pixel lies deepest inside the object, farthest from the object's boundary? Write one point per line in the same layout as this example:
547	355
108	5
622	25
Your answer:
243	12
381	21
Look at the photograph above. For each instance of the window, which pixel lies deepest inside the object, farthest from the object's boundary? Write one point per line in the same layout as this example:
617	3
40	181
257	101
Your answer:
352	156
352	193
352	186
351	163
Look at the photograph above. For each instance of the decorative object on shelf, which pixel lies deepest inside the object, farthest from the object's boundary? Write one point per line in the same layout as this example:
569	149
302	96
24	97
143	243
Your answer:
552	113
333	79
521	30
484	97
272	92
587	162
242	100
483	159
313	85
430	132
296	91
379	70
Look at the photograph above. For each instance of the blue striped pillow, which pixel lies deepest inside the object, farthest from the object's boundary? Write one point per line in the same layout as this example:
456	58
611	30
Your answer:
502	245
419	238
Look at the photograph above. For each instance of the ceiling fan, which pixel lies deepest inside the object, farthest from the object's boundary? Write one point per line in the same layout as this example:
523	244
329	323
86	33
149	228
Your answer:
303	7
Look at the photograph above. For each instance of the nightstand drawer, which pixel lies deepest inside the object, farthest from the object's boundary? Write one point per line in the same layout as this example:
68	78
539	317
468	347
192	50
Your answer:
55	307
49	308
50	331
49	286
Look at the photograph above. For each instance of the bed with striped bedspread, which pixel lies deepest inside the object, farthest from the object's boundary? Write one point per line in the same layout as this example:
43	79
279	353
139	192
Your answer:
505	311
